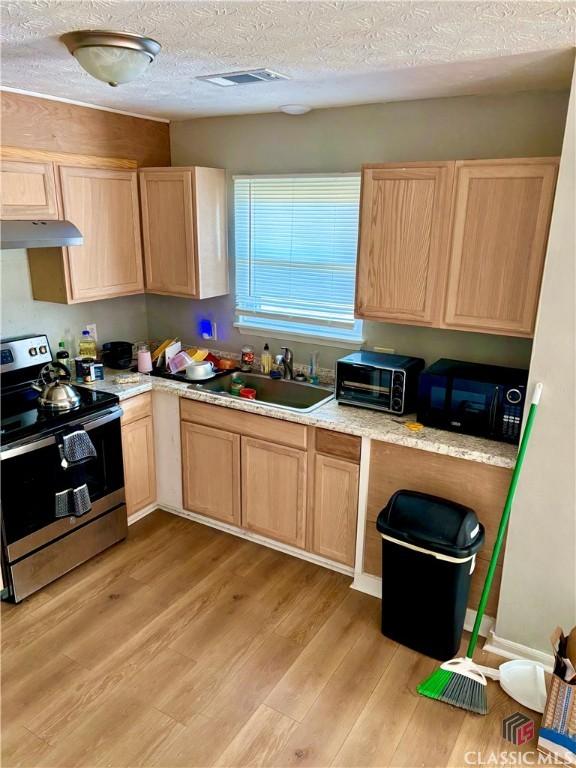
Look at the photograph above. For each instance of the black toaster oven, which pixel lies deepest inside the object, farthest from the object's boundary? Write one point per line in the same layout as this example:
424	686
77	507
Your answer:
378	380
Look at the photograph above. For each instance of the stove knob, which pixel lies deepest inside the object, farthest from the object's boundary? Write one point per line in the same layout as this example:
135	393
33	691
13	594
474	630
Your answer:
43	350
32	351
396	404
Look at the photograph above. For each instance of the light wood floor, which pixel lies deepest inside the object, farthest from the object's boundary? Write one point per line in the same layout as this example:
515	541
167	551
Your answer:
185	646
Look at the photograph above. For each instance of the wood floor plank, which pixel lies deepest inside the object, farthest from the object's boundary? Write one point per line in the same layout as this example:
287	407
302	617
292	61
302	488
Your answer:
265	734
314	607
383	721
125	731
430	735
316	741
300	686
188	647
22	749
77	588
243	692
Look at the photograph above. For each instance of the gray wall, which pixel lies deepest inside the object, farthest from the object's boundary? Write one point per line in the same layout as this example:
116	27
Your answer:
122	319
342	139
539	580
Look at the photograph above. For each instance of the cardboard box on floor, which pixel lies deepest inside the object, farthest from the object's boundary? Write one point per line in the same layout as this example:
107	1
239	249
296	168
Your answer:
557	735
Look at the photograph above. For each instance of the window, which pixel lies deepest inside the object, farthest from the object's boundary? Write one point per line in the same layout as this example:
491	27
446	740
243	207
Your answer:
295	241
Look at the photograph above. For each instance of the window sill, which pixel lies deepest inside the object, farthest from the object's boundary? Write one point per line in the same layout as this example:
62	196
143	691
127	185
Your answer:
324	341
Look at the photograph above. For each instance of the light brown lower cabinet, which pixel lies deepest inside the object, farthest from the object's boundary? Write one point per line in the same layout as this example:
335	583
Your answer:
335	508
274	491
138	453
211	472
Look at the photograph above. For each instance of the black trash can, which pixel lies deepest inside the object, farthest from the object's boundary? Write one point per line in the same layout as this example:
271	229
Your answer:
429	548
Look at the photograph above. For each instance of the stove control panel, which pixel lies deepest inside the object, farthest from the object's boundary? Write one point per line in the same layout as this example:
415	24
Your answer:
23	352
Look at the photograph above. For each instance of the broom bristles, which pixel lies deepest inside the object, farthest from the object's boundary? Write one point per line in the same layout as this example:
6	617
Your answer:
455	689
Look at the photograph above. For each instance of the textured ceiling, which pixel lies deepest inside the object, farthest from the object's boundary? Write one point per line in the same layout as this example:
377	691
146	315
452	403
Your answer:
336	53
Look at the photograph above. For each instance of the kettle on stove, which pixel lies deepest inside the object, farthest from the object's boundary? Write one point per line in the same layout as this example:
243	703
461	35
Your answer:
55	392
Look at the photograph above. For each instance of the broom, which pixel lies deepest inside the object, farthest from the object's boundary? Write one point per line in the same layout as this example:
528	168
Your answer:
460	681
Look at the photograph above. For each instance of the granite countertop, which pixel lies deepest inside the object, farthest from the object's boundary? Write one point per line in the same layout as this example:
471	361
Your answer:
340	418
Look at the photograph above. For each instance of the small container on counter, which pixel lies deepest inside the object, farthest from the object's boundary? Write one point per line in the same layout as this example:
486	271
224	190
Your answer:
247	360
88	371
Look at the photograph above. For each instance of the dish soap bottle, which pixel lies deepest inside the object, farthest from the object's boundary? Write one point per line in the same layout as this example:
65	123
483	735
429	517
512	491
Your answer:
87	345
266	360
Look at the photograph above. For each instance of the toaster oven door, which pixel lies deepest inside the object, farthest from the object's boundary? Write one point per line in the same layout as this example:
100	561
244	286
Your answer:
364	385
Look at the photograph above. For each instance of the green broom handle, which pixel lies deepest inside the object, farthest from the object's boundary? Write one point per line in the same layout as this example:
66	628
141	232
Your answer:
504	521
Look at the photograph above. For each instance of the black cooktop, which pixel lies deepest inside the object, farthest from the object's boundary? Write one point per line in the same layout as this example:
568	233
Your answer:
22	417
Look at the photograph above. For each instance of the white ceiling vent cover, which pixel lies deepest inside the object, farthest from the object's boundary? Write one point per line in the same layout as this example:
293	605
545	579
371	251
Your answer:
245	77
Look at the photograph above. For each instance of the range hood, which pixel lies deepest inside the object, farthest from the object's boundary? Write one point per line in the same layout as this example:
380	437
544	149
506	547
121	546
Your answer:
38	234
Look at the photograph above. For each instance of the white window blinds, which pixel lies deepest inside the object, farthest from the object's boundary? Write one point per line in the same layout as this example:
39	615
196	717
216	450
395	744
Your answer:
295	245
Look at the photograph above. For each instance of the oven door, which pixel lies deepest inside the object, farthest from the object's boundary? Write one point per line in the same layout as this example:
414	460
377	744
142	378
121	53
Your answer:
364	385
32	475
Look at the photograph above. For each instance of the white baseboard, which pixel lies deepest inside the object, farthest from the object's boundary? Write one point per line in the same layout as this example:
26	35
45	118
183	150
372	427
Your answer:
243	534
142	513
372	585
511	650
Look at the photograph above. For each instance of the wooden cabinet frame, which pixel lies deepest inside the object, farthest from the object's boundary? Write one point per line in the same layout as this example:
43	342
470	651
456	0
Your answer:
185	244
429	271
407	284
518	305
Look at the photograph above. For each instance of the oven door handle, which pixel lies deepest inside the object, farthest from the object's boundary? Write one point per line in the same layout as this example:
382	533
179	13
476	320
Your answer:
35	445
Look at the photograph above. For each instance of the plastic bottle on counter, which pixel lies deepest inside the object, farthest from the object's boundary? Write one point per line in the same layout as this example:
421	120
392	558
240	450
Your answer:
266	360
87	345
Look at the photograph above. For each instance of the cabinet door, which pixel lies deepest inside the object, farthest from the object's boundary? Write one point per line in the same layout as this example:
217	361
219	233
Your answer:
139	464
335	509
28	190
211	472
502	213
274	491
103	204
168	231
403	240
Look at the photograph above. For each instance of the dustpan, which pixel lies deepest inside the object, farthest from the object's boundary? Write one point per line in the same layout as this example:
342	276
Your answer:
522	679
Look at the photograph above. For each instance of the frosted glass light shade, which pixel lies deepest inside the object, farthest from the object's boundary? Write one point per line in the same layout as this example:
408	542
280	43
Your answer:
112	57
113	65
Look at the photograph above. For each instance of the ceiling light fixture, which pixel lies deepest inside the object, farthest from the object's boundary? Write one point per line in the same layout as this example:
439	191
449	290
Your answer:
295	109
113	57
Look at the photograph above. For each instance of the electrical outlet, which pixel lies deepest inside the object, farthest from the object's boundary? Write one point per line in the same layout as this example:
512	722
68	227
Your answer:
386	350
93	332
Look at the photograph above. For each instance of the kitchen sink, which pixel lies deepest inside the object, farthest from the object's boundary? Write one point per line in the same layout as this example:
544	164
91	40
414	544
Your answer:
277	393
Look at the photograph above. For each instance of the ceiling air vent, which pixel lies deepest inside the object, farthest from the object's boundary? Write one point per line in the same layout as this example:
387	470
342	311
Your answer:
243	78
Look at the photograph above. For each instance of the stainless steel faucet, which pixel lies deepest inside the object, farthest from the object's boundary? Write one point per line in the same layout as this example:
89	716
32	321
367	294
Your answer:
286	360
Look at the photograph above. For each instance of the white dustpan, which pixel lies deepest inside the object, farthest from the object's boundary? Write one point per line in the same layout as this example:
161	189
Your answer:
524	681
521	679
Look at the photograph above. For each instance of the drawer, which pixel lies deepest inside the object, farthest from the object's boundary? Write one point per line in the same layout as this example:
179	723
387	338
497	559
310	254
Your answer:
338	444
249	424
136	407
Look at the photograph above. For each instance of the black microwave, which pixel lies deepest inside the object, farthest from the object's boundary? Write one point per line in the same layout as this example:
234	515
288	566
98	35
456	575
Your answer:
378	380
482	400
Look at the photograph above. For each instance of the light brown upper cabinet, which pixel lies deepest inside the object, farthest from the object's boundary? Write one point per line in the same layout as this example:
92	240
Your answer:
403	241
28	190
502	211
455	244
103	204
184	231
